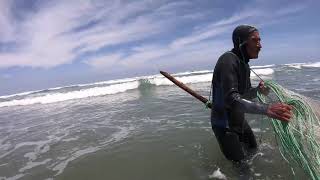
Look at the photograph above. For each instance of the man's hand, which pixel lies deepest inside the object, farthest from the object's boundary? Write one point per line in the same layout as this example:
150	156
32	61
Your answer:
280	111
263	89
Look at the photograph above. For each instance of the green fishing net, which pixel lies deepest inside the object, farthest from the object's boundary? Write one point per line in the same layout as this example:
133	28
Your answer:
298	140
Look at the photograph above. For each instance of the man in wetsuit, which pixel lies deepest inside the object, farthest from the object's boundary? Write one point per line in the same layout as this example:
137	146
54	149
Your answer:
232	94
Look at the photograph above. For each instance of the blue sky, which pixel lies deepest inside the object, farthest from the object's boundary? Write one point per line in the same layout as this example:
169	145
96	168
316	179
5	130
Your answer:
55	43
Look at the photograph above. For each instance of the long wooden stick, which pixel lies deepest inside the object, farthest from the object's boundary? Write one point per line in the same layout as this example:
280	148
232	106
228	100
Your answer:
187	89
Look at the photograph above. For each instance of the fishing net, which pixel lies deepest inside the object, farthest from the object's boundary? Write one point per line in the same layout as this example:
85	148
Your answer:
299	140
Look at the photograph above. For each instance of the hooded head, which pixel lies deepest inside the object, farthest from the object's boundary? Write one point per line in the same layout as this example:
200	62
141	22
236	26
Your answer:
244	37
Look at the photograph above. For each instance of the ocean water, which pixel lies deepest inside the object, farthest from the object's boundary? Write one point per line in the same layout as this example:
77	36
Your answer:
137	128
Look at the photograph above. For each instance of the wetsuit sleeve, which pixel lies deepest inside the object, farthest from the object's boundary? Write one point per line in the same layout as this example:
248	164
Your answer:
247	106
229	81
251	94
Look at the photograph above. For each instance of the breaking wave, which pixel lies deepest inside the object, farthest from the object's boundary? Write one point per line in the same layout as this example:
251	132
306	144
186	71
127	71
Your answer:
79	91
303	65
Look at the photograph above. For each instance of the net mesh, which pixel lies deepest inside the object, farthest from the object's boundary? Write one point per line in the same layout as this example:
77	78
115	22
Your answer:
299	140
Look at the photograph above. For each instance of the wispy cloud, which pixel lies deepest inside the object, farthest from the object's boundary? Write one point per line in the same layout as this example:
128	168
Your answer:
57	33
105	61
291	9
155	56
40	38
195	47
6	23
118	33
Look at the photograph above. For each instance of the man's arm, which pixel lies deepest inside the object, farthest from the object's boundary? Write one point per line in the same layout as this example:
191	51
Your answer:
251	94
229	81
248	106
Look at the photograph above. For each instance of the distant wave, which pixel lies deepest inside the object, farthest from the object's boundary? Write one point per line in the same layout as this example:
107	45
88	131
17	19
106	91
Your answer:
316	65
264	66
304	65
19	94
262	72
295	65
58	97
110	87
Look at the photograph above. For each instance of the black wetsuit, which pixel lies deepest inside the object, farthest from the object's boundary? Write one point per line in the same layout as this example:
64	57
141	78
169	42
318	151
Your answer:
231	95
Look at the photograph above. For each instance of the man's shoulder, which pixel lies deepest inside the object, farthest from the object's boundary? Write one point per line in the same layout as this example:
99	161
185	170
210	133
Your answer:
229	54
228	58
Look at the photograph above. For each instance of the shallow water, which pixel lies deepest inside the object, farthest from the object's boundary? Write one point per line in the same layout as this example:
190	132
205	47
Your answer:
150	132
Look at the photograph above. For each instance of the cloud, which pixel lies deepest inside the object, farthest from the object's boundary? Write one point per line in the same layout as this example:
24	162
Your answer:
237	17
40	38
6	22
201	45
157	57
60	32
106	61
118	33
214	29
199	36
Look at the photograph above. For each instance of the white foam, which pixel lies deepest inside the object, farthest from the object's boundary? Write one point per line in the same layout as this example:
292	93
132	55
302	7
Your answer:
31	165
116	81
21	145
118	136
262	72
316	65
109	82
3	164
18	176
217	174
264	66
18	94
196	78
192	72
184	79
71	139
301	65
41	147
61	166
120	85
295	65
5	147
31	156
160	81
182	73
58	97
124	132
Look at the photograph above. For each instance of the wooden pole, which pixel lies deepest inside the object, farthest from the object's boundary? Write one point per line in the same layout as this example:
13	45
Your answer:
187	89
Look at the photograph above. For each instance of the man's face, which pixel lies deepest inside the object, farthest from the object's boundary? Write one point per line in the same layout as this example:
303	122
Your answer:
253	45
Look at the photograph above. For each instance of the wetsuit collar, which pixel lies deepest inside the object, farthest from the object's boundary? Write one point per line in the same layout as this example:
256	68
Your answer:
242	56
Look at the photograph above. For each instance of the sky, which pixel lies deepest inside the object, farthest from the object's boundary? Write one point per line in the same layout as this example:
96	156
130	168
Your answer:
52	43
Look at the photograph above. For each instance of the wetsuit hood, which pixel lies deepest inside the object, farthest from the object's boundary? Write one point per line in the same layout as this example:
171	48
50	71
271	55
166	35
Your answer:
240	36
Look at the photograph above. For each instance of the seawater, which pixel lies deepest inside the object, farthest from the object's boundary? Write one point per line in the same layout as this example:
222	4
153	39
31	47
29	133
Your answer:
135	128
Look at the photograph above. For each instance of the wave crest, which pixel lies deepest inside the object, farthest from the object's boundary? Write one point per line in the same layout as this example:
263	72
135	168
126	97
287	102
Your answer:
60	94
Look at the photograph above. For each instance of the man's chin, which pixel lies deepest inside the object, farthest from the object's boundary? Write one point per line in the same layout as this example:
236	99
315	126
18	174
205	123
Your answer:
254	57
